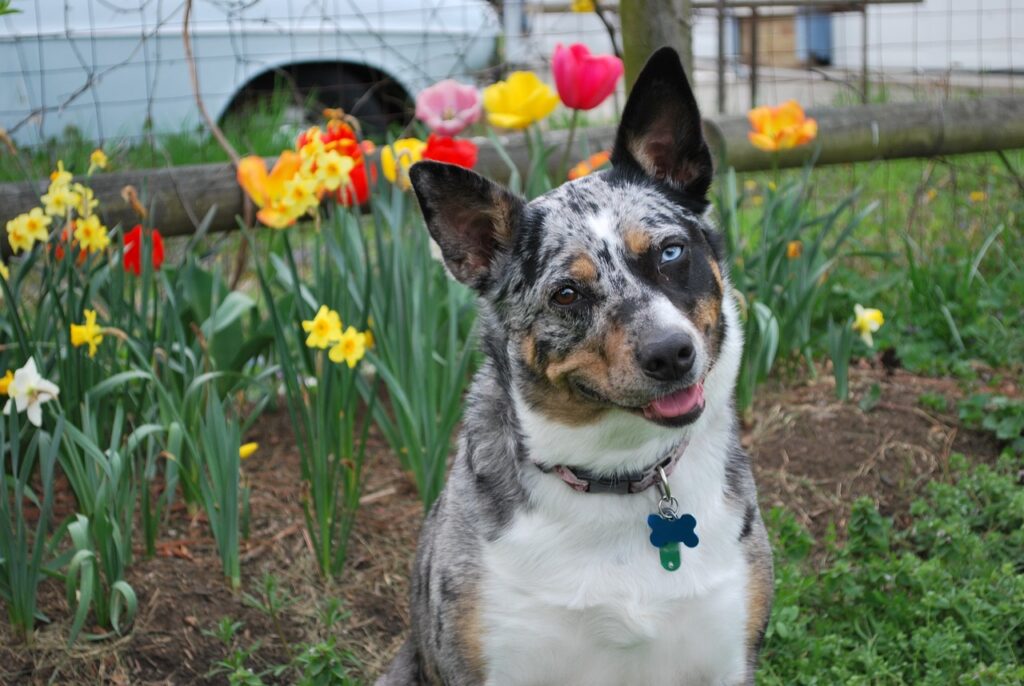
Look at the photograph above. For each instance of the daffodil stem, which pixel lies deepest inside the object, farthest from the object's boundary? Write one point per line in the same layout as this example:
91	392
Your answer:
563	168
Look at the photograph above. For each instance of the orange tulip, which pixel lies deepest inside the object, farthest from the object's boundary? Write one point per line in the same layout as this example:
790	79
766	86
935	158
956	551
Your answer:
268	190
780	128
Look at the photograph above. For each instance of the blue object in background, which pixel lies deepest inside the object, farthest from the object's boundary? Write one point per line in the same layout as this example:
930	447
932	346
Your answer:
814	37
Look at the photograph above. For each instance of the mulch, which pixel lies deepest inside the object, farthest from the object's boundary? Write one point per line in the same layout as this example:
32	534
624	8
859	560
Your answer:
811	454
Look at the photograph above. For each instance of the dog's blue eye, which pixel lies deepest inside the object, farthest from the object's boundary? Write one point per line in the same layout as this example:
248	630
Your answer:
671	253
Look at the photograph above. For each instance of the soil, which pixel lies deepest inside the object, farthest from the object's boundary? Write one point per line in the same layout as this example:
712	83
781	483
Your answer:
811	454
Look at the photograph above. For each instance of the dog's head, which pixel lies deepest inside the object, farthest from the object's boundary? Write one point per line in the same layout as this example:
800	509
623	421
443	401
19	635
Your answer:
608	290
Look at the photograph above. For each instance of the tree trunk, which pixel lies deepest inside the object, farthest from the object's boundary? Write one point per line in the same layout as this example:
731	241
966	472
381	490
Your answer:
650	24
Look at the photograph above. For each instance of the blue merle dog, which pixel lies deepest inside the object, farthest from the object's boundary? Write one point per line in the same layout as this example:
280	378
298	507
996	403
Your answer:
600	522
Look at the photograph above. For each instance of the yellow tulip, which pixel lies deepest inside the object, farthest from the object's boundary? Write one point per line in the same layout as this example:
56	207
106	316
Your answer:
519	101
395	160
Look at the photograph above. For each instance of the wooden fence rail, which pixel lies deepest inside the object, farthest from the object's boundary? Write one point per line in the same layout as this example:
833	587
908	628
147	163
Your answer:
182	196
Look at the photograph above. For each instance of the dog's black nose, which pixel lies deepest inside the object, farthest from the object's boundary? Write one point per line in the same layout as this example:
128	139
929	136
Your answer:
668	358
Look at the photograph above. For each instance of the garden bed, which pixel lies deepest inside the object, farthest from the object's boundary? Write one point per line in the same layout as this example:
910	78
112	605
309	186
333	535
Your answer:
888	453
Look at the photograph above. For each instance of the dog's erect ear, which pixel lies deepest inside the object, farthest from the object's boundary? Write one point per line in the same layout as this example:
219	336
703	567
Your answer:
661	130
472	219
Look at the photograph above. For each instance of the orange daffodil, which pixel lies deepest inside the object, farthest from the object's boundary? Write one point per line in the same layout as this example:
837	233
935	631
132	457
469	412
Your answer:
325	332
519	101
780	128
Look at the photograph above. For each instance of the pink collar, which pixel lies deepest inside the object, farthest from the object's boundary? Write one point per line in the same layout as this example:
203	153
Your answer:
622	484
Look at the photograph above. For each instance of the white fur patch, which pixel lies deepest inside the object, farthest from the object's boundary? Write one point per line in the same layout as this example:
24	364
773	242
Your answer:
603	226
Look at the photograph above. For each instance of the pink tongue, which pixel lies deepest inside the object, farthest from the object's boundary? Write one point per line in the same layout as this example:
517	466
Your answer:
677	404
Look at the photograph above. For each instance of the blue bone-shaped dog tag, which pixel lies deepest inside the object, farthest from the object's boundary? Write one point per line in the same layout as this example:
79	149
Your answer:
668	533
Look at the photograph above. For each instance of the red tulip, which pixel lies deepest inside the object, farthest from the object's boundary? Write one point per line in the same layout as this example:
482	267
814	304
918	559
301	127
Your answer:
133	250
584	81
458	151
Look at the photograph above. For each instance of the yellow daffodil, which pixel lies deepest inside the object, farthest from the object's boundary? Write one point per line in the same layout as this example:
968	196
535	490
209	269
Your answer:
300	194
794	249
91	234
978	196
395	160
867	320
18	236
89	333
5	273
780	128
519	101
87	201
59	177
332	170
5	381
750	185
247	449
323	329
350	348
97	160
36	223
582	6
59	200
314	145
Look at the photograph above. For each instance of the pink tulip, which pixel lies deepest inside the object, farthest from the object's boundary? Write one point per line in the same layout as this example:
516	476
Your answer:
448	107
584	80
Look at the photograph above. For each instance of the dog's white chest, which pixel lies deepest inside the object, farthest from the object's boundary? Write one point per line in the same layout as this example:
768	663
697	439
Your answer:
580	597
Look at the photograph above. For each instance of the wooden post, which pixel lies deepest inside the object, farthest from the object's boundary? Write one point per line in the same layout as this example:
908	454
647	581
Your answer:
753	57
864	94
721	56
651	24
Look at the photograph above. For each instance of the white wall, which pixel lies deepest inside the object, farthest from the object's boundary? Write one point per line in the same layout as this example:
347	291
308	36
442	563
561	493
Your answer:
968	35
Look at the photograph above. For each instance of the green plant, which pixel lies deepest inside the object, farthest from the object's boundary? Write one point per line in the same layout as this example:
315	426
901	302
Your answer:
324	397
22	550
220	439
1003	416
781	261
425	346
936	603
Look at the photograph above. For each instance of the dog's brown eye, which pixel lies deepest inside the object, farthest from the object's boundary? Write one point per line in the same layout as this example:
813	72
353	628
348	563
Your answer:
566	296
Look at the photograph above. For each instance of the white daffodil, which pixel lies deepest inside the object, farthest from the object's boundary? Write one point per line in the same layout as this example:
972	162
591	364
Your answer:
28	391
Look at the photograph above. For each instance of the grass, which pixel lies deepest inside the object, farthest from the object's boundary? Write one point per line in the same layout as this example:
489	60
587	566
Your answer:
936	603
942	255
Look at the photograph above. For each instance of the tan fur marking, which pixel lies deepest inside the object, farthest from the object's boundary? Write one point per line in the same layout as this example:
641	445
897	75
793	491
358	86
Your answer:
583	269
529	349
637	240
759	604
705	315
717	272
470	634
604	367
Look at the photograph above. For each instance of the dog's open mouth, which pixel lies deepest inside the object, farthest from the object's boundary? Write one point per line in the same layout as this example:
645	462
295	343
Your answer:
678	408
